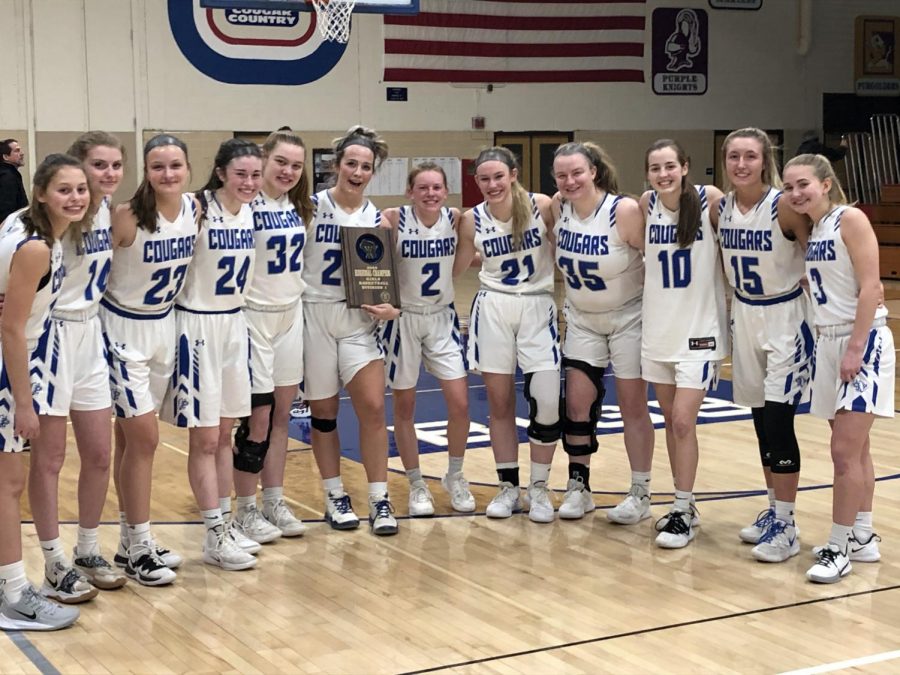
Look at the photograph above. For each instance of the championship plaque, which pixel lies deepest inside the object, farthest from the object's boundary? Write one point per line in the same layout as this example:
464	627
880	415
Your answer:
370	277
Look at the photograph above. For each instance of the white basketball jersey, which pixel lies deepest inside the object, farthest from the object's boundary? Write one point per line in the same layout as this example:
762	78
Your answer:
832	283
425	259
12	237
759	260
684	292
87	257
223	260
146	276
322	254
280	235
602	272
529	269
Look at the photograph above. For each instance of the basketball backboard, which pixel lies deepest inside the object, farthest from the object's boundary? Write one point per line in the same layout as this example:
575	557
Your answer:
362	6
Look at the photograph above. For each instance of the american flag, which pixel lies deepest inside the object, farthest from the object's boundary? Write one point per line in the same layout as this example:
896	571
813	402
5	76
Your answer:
495	41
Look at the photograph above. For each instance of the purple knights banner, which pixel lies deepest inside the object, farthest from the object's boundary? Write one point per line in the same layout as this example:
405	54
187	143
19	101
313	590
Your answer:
498	41
680	51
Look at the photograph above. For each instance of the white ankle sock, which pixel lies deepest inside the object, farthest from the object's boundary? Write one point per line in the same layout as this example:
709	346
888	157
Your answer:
53	552
454	464
683	501
14	581
87	541
273	495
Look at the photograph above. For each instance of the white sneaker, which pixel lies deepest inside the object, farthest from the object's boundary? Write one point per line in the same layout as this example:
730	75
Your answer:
252	524
539	503
831	565
98	571
506	502
339	511
457	487
170	559
577	500
677	532
281	516
220	549
631	510
145	566
381	517
421	503
858	552
245	542
35	612
752	533
779	542
65	584
695	519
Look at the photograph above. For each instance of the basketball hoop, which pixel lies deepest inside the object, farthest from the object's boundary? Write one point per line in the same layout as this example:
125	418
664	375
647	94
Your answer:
333	18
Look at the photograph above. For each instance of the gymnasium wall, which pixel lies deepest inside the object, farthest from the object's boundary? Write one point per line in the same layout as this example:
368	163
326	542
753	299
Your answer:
71	65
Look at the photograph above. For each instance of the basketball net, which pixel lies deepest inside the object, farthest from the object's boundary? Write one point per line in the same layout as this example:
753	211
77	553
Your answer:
333	18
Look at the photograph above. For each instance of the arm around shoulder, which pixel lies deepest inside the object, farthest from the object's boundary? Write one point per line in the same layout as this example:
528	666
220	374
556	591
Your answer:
630	222
124	226
390	217
793	224
465	246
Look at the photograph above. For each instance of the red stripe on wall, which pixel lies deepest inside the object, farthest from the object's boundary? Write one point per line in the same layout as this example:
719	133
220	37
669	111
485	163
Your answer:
442	48
435	75
537	23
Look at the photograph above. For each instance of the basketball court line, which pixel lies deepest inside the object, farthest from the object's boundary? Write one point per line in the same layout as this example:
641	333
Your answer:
32	653
655	629
841	665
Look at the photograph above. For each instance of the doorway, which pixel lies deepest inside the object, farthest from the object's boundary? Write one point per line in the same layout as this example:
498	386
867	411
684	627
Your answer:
534	150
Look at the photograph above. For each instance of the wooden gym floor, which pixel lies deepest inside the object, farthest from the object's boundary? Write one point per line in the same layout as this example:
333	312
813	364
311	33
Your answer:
463	594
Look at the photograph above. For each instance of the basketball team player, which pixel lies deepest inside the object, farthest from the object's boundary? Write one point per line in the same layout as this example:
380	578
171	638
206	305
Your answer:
599	236
427	331
853	378
274	314
31	274
347	351
513	322
153	236
685	333
210	387
77	386
771	334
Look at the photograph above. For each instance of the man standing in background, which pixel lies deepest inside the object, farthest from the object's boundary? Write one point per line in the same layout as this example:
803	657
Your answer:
12	189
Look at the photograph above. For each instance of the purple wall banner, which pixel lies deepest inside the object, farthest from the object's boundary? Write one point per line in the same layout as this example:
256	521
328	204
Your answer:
680	51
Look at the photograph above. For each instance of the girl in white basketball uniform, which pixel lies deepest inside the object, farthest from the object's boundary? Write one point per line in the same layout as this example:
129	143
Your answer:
854	360
31	274
211	384
599	237
425	234
274	314
771	333
77	386
153	235
347	350
685	333
513	321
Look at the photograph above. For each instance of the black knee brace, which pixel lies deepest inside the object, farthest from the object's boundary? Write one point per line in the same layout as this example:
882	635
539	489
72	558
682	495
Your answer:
250	455
543	433
575	428
322	424
783	448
